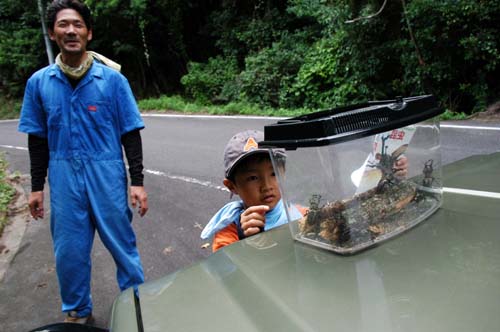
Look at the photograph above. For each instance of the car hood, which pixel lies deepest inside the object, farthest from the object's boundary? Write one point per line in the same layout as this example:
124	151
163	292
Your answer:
443	275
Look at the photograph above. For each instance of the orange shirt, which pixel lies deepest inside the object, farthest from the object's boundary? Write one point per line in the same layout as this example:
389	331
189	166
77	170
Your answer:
224	237
229	234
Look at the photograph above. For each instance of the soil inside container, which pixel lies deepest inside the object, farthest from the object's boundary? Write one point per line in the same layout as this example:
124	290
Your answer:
347	226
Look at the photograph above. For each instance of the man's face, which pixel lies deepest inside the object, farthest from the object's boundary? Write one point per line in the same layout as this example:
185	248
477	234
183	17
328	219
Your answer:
256	184
70	32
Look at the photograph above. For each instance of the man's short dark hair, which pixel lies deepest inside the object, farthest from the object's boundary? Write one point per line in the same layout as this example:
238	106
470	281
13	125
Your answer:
58	5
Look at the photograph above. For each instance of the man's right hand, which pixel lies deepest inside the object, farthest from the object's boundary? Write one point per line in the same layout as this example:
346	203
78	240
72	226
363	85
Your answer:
35	203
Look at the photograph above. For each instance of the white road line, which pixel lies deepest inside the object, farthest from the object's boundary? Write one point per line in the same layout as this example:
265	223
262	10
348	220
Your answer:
211	185
250	117
207	184
14	147
201	116
469	127
469	192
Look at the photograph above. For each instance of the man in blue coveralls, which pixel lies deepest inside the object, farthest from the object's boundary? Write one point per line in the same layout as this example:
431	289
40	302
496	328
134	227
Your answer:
78	113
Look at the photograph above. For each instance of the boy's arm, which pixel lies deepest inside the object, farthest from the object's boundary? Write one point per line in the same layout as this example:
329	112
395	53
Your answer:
225	237
252	221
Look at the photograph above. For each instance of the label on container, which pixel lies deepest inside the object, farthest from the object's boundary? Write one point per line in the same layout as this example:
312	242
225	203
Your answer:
387	148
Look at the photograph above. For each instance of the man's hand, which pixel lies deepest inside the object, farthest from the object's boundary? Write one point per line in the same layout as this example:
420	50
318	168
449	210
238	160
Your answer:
139	196
253	219
35	203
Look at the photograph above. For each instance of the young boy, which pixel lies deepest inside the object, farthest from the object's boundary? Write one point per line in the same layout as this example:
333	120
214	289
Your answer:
249	174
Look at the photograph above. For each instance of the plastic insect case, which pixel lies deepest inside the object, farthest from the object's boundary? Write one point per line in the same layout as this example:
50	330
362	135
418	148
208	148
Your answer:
354	176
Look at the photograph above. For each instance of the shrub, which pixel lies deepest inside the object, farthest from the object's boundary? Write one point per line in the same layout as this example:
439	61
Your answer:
213	82
270	74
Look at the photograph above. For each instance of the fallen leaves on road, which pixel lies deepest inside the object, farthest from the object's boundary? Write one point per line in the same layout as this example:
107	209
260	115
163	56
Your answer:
41	285
205	245
168	250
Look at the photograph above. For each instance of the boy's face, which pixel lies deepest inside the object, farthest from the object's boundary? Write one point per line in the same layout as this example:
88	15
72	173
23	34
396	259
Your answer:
255	182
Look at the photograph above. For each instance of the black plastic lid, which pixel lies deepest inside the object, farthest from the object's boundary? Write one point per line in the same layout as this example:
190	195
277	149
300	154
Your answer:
349	123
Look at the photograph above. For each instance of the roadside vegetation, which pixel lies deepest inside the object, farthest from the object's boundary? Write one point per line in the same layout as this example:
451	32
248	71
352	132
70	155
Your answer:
178	104
9	108
6	193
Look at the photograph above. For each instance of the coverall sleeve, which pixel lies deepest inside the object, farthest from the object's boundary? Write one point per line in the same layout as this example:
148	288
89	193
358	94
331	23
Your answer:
129	115
32	120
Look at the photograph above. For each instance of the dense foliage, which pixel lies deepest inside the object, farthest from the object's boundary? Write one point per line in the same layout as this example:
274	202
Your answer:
279	53
20	45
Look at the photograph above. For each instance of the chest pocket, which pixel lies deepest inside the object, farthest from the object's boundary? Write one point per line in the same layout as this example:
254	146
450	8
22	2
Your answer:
95	114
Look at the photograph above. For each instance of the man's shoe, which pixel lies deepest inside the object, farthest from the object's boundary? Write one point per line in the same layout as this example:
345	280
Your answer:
72	317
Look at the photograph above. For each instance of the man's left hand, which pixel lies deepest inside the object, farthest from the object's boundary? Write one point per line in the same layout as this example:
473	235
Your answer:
138	196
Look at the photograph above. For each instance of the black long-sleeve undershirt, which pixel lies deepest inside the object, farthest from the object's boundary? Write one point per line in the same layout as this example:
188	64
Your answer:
39	158
39	161
132	144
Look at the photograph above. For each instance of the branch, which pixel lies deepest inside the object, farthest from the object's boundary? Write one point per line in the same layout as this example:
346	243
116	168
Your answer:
369	16
412	36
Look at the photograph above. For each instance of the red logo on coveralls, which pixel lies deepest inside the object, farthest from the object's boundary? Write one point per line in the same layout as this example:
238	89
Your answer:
92	108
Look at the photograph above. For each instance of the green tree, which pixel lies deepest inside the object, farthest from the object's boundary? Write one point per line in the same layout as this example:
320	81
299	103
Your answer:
20	42
460	43
295	53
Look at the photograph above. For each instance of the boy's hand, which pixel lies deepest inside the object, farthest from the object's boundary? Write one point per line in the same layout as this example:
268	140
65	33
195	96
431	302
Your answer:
253	219
401	167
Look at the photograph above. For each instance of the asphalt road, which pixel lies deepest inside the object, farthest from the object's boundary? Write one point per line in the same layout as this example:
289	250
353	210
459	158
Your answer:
183	177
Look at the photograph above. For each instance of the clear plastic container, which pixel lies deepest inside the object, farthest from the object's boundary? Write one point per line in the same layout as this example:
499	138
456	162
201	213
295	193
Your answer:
341	171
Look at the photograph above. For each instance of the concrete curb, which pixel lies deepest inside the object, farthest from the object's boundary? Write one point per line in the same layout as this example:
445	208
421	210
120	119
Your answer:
13	233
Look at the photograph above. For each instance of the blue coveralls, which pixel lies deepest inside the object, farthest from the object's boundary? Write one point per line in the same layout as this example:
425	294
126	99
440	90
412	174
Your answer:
87	175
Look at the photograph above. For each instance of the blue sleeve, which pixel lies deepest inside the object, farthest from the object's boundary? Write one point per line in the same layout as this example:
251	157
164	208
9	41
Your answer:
129	115
32	120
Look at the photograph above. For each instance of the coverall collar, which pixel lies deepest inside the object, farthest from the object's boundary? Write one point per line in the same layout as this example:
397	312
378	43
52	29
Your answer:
94	71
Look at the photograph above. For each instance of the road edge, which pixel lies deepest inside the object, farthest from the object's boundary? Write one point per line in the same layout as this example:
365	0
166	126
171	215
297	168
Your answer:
13	232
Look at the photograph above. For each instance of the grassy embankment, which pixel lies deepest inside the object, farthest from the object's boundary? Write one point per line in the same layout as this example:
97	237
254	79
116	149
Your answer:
165	104
6	193
177	104
9	109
